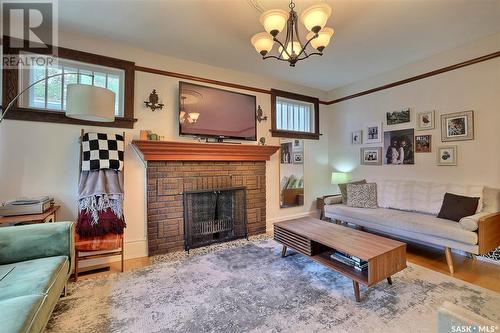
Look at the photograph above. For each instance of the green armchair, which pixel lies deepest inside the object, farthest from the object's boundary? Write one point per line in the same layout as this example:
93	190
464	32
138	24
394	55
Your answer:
36	262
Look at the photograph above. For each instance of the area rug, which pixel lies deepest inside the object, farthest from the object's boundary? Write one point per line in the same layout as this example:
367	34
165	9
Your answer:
250	288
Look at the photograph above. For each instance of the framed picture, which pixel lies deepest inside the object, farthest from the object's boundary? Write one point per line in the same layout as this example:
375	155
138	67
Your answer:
371	156
373	133
357	137
398	117
457	126
425	120
298	158
423	143
447	155
399	148
298	145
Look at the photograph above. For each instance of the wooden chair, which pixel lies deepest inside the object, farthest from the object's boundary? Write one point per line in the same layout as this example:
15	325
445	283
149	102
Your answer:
108	245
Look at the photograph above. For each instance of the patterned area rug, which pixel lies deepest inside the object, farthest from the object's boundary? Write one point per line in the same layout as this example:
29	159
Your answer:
250	288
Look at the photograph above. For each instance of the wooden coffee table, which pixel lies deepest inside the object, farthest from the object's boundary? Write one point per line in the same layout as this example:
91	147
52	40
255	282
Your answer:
319	239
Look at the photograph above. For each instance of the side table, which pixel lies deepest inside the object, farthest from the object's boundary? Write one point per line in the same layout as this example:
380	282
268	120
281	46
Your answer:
49	215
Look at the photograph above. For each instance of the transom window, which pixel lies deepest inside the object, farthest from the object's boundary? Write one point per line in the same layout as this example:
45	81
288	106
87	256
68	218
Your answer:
294	115
50	94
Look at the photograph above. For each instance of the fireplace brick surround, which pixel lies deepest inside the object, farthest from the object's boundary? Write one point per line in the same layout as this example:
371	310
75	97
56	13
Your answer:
167	180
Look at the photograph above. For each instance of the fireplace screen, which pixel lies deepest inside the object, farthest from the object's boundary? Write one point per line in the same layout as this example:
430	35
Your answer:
212	216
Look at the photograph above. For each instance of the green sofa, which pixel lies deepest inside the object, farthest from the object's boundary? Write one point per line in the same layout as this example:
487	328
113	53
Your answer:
35	263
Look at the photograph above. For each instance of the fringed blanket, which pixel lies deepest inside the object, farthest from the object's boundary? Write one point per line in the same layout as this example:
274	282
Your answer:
100	203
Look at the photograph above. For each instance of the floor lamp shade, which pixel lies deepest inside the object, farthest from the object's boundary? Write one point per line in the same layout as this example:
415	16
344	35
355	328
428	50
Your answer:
90	103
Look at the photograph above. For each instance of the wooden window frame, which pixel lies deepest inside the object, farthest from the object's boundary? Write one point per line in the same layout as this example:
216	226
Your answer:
10	88
294	134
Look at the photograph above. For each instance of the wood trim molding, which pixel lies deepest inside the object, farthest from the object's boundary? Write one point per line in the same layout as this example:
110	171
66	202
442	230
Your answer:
189	151
418	77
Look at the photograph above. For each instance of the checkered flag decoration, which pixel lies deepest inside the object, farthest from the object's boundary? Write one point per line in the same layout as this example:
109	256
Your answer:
102	151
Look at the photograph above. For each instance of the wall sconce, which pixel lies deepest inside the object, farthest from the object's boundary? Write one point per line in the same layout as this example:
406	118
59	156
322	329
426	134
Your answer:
260	115
153	102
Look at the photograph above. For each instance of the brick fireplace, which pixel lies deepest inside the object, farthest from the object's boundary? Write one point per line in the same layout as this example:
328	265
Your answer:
174	168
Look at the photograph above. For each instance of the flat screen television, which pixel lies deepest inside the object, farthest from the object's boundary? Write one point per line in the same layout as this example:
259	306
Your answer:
211	112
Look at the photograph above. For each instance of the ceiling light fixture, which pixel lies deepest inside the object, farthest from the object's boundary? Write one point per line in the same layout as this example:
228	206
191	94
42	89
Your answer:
274	21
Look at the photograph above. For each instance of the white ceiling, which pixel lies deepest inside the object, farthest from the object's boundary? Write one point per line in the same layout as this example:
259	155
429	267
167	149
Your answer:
371	36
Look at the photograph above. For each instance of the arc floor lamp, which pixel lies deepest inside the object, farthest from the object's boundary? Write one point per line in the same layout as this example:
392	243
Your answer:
85	102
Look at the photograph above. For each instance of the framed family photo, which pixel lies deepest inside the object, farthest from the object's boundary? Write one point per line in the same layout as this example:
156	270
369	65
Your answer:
425	120
357	137
458	126
371	156
373	133
423	143
447	155
398	117
399	148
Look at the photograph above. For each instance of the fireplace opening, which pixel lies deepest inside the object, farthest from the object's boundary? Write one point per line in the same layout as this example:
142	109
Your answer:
213	216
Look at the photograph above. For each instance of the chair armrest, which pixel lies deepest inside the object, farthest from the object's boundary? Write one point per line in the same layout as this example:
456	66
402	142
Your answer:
489	233
21	243
332	199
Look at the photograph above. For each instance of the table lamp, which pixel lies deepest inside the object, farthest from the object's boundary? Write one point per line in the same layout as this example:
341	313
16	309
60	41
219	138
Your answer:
339	178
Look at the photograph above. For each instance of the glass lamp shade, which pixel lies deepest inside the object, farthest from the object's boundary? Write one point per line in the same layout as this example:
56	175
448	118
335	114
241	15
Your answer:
322	40
90	103
339	178
262	42
274	20
194	116
296	49
314	18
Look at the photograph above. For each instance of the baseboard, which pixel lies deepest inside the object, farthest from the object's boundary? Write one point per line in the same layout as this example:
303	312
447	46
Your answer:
270	222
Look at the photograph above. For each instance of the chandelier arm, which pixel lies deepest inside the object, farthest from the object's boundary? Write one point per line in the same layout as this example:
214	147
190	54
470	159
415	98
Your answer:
310	54
305	46
273	57
283	48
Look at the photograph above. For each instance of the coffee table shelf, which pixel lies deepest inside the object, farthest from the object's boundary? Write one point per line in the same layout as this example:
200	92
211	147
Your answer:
346	270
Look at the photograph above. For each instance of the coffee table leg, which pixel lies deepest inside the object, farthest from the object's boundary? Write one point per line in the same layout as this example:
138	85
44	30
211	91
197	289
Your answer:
283	251
389	280
356	290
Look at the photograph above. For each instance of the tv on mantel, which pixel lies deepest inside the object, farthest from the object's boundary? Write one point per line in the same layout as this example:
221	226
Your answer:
215	113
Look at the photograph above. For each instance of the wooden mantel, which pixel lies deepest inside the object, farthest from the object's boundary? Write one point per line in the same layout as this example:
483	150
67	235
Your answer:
190	151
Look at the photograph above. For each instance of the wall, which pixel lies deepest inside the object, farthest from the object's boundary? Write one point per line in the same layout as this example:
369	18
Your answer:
42	158
475	87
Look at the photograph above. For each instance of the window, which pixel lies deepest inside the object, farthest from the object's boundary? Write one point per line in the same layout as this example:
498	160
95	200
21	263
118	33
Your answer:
50	94
294	116
46	101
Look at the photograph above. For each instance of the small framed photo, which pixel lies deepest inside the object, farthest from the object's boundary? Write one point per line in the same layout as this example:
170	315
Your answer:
425	120
357	137
458	126
398	117
423	143
373	133
298	145
447	155
371	156
298	158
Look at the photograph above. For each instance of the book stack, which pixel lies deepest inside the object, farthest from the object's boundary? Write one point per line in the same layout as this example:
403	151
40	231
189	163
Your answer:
352	261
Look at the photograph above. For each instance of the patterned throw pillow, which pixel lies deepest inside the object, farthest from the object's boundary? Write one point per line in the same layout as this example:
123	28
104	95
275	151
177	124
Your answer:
362	195
343	189
102	151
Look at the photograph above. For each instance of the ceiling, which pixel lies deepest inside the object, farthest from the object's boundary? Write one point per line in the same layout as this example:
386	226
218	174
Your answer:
371	36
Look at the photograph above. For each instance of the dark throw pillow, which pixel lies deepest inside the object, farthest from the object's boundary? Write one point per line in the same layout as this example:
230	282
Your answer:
343	189
457	206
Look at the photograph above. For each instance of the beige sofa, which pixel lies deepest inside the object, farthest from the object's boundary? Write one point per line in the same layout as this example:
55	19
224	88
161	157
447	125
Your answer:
408	210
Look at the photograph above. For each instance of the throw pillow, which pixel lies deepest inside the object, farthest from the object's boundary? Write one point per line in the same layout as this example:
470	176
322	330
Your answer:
455	207
362	195
343	189
102	151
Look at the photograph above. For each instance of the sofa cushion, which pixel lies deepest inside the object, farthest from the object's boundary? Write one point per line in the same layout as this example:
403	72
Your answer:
424	197
19	314
491	200
471	223
409	221
34	277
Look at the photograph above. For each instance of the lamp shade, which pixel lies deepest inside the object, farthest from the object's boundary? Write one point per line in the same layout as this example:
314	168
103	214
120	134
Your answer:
86	102
263	42
297	48
322	40
339	178
274	20
315	17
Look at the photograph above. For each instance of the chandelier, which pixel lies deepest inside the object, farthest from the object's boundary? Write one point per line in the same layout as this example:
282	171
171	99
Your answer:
274	21
189	97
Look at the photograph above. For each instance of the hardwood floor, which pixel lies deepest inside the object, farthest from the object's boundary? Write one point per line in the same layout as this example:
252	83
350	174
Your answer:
478	272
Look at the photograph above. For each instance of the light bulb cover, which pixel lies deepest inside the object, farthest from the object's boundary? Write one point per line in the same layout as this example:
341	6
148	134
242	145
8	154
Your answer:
262	42
274	21
296	49
315	17
323	38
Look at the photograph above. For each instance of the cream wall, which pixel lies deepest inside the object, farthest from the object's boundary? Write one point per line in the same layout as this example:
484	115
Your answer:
475	87
42	158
